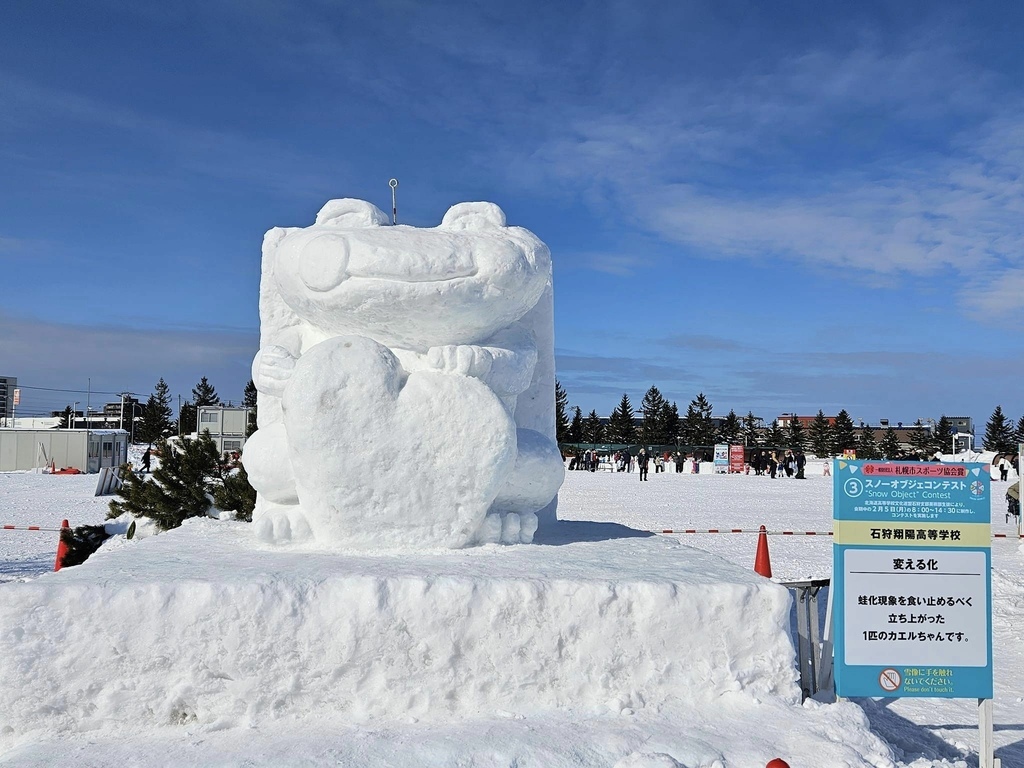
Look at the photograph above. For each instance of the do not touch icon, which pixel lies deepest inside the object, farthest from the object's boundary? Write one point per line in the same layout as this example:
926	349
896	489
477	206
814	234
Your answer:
889	679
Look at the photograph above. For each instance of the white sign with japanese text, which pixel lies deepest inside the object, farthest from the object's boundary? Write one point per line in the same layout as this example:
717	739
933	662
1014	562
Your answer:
908	606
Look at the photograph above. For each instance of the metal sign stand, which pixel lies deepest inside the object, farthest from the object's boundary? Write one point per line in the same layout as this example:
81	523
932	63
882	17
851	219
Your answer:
826	680
394	204
808	642
986	753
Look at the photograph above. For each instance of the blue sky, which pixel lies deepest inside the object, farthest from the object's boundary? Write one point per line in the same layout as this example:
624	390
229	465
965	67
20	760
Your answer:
786	206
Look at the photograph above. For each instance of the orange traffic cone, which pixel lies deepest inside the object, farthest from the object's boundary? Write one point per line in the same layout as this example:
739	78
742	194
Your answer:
763	563
62	547
778	762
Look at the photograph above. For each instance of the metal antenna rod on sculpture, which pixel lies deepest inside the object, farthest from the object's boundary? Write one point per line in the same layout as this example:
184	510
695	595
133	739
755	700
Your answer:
394	205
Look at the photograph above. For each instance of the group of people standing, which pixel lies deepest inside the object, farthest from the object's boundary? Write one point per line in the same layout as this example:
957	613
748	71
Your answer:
779	464
590	460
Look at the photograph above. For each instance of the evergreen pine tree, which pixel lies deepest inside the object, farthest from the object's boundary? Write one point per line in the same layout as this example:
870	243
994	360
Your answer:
797	434
670	422
731	429
621	428
698	428
180	488
576	427
155	423
1019	436
203	393
188	418
890	445
593	429
652	432
249	398
65	417
820	436
751	432
774	436
921	441
561	417
999	433
942	436
866	447
843	434
235	494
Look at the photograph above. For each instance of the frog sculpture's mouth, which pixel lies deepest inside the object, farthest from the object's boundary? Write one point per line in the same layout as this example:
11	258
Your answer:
328	259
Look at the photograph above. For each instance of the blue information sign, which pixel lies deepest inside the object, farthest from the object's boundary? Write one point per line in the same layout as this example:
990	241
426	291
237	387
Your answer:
912	579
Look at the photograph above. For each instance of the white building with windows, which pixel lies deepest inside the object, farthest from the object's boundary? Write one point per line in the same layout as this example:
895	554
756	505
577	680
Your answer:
226	425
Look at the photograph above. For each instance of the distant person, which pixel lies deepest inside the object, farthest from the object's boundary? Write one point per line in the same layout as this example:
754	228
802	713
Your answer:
788	463
801	463
1004	468
146	458
827	471
1013	501
641	462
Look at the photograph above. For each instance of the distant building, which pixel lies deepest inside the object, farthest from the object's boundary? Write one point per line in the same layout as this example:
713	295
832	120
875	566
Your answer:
225	424
87	450
785	419
961	424
115	410
7	387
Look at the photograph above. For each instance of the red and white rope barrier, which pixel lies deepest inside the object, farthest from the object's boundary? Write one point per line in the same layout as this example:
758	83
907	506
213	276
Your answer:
744	530
676	531
62	547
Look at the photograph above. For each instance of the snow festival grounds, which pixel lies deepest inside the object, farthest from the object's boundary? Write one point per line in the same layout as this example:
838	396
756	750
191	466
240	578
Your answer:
731	729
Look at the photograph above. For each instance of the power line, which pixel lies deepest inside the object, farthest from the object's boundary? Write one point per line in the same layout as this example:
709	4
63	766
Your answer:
75	391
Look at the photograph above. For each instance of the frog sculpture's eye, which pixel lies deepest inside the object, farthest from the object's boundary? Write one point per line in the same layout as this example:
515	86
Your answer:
324	262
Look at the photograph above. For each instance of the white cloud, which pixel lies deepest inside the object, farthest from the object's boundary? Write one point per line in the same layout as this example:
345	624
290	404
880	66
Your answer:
797	162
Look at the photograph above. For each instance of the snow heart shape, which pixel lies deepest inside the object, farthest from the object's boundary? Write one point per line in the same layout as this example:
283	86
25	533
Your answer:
386	458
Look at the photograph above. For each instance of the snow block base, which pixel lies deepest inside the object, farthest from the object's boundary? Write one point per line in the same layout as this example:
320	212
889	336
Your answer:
202	626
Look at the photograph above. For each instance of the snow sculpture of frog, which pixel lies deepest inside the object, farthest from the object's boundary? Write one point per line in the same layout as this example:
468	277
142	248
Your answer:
406	382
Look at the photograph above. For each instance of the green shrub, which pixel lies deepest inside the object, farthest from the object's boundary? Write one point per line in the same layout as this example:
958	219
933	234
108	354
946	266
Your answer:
236	494
183	486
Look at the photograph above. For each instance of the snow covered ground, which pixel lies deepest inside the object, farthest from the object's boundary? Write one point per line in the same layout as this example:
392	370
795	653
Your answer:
726	730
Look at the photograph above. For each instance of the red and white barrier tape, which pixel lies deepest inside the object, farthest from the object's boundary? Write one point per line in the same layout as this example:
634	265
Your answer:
28	528
744	530
789	533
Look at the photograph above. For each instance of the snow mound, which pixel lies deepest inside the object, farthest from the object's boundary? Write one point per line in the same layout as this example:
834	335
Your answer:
201	627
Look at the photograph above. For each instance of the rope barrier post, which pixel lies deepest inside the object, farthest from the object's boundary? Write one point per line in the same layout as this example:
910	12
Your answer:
62	547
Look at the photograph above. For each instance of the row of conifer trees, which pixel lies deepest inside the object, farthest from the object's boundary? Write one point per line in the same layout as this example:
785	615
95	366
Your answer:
660	423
